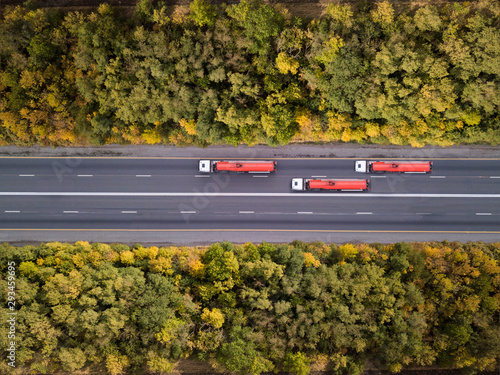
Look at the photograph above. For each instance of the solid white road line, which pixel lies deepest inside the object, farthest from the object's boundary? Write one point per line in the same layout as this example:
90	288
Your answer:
483	213
423	213
318	176
201	175
188	212
378	176
70	212
12	211
260	176
247	212
363	213
129	212
142	175
437	176
304	212
193	194
494	176
85	175
26	175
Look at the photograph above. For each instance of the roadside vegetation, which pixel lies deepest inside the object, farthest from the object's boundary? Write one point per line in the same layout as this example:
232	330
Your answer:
250	73
253	308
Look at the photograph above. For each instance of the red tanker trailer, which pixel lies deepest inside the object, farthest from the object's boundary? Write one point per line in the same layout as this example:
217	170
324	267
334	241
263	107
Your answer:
254	166
330	184
365	166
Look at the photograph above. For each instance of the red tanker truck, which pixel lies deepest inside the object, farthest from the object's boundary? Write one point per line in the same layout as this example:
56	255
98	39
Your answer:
365	166
254	166
330	184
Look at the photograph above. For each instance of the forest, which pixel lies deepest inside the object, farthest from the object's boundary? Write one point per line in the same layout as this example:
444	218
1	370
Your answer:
250	73
251	308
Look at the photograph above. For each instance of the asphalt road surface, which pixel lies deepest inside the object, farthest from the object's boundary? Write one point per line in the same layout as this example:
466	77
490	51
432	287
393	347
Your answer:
157	200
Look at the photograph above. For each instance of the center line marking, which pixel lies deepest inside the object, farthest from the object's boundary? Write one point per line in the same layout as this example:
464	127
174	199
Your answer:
85	175
247	212
70	212
363	213
483	213
129	212
437	176
201	175
142	175
308	213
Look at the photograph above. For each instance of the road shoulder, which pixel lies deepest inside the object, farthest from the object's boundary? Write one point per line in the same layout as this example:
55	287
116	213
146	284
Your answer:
334	150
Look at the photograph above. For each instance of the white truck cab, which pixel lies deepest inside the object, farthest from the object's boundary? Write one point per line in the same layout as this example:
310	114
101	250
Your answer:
361	166
297	184
205	166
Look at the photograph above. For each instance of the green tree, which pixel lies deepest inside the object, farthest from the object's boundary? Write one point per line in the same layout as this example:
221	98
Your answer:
240	355
72	359
260	22
297	363
202	13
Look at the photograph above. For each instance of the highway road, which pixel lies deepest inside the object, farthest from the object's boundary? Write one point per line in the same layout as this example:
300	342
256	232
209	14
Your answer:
41	198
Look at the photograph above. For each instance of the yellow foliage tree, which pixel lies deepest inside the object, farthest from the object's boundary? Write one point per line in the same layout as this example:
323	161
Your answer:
330	48
146	252
189	126
338	121
197	269
170	330
309	125
340	13
347	251
78	260
346	135
161	265
127	257
116	364
159	364
310	260
383	13
215	317
286	64
372	130
151	136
